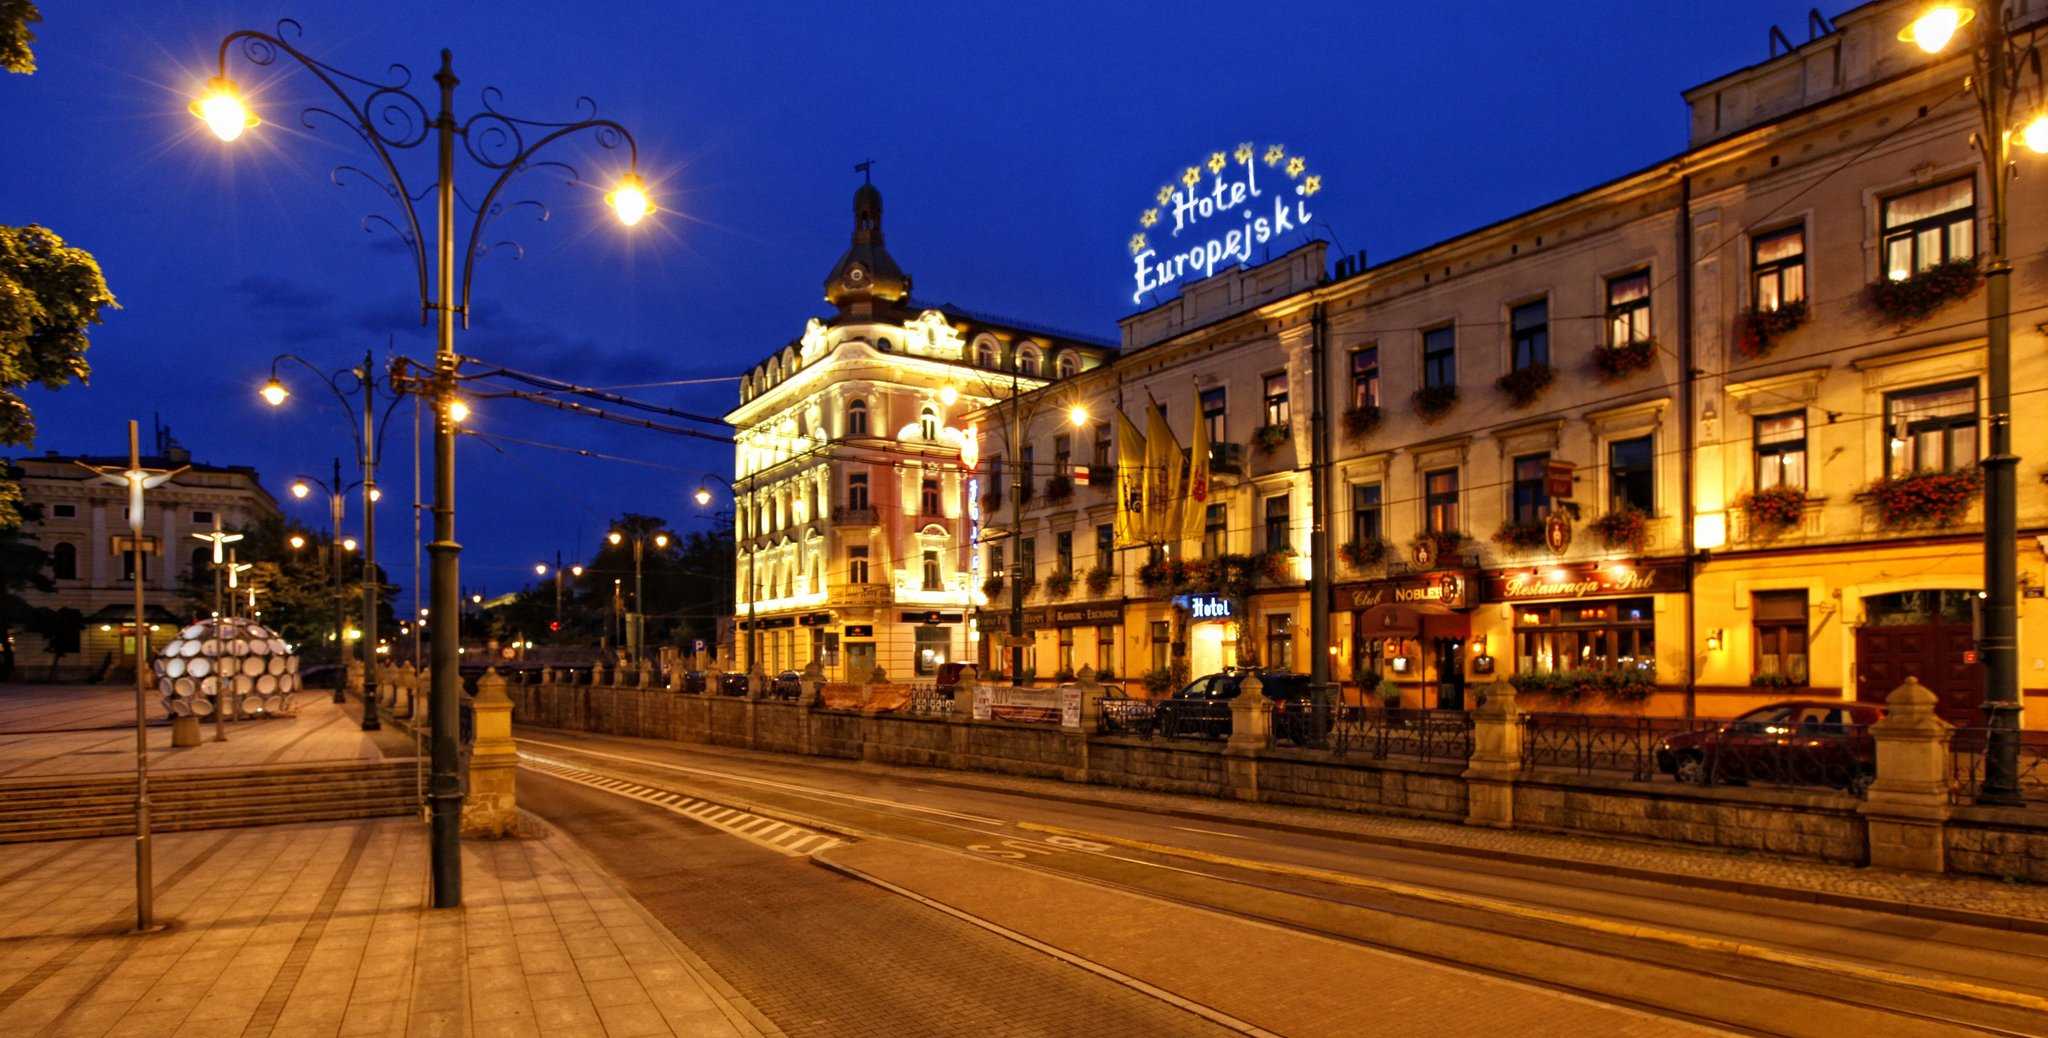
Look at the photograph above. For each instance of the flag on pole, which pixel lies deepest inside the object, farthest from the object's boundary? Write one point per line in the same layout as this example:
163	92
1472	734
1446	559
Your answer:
1130	483
1162	478
1195	500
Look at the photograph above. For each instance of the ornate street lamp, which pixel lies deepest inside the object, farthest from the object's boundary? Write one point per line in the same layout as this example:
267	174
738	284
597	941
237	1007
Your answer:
1999	61
388	118
337	494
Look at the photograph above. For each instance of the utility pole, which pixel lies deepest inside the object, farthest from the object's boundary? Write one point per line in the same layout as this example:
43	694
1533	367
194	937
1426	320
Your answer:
1017	478
1318	506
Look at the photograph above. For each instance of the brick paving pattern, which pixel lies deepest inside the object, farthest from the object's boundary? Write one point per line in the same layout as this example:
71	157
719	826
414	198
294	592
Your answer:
320	929
89	729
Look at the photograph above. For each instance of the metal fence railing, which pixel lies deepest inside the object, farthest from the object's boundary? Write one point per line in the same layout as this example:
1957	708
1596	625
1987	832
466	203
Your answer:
1126	717
1703	751
925	701
1966	765
1422	735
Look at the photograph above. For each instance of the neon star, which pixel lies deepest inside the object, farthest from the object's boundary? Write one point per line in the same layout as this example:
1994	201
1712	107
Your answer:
1244	152
1165	194
1295	165
1216	161
1192	176
1148	218
1137	244
1274	154
1312	184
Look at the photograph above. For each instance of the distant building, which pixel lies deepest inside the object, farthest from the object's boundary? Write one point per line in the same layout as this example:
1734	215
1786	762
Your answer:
82	519
855	513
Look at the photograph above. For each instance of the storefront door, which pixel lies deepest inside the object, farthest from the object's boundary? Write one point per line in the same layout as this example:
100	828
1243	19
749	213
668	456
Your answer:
860	661
1933	653
1450	673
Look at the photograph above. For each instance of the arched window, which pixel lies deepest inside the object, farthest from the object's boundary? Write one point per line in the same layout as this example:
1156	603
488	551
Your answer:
986	355
1027	360
857	418
883	345
928	423
931	571
1069	365
64	561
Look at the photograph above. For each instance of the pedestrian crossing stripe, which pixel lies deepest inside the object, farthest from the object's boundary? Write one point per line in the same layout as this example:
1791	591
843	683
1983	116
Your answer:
778	836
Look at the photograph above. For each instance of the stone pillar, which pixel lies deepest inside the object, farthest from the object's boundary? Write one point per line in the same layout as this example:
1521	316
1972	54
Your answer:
1496	760
811	686
1091	699
492	804
1251	732
1907	808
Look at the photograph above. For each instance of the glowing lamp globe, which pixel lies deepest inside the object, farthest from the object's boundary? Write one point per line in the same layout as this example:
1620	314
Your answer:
703	496
274	393
300	490
661	540
1936	26
222	110
540	569
629	200
2035	134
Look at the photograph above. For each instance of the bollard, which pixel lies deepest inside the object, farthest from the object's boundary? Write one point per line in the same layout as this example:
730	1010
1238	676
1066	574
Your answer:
1906	809
492	803
1496	760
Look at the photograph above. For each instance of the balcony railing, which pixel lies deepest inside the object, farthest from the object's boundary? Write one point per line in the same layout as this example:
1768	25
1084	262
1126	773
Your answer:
863	594
851	516
1226	459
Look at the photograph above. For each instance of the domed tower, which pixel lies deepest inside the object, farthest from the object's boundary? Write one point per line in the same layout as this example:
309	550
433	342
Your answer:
866	282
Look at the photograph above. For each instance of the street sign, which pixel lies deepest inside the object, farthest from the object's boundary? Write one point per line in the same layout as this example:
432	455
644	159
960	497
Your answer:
1557	479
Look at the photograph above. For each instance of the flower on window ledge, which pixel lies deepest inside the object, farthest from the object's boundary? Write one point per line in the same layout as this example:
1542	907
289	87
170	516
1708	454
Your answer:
1774	510
1925	498
1625	527
1360	554
1756	331
1521	536
1524	384
1270	438
1361	421
1431	402
1626	358
1916	298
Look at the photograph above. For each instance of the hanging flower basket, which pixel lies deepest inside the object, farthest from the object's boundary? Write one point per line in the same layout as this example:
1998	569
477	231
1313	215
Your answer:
1232	575
1431	402
1270	438
1193	573
1527	536
1756	331
1277	567
1625	359
1925	498
993	586
1099	578
1361	421
1027	585
1059	488
1059	583
1154	575
1360	554
1774	511
1623	528
1916	298
1523	385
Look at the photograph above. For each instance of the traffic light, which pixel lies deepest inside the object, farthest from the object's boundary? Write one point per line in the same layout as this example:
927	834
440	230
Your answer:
554	625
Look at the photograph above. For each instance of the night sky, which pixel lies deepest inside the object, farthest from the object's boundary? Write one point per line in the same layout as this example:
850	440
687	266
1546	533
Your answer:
1014	144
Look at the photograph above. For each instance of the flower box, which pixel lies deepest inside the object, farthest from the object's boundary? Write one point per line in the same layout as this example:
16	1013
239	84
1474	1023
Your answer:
1432	402
1270	438
1523	385
1623	528
1925	498
1059	488
1624	359
1361	421
1774	510
1059	583
1360	554
1916	298
1756	331
993	586
1520	536
1099	579
1277	567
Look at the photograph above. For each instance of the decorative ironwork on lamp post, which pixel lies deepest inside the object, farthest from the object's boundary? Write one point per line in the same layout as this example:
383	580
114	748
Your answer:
2000	59
388	118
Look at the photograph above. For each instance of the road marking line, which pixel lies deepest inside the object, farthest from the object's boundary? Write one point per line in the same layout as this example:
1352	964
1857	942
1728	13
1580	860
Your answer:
1679	938
747	826
1211	832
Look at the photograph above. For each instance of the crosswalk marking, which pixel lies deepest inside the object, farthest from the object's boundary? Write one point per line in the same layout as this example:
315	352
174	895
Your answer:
781	837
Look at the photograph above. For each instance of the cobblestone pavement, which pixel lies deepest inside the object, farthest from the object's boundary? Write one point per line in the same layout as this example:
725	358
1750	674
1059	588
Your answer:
1966	893
819	954
89	729
321	929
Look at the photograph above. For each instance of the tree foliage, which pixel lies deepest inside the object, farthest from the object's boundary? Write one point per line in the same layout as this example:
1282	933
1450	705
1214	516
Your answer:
295	592
15	35
688	584
50	294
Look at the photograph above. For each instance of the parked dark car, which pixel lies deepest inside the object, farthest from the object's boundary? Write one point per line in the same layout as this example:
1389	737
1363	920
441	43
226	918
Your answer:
732	683
694	682
948	680
1807	742
786	685
1202	708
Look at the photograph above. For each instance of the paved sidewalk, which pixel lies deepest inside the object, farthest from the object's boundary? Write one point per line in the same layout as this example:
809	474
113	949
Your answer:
89	730
322	929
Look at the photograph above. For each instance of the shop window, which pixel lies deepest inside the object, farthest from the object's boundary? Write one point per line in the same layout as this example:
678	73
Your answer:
1162	644
1628	308
1529	325
1440	358
1276	523
1365	377
1608	635
1631	479
857	418
933	646
1215	531
1440	501
1276	399
857	491
1531	498
1929	227
1066	650
64	561
1279	641
1780	636
857	565
1365	513
1781	451
1215	411
1931	430
928	497
1105	650
1777	264
932	579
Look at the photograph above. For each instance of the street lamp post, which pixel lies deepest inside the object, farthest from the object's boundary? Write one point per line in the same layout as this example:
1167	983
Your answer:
219	539
703	498
387	117
1996	58
636	618
337	493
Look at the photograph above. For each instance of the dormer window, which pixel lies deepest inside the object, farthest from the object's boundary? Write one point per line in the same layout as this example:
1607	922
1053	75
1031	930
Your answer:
1069	365
1027	361
985	355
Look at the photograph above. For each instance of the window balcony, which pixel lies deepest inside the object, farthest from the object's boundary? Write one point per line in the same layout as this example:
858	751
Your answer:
863	595
848	516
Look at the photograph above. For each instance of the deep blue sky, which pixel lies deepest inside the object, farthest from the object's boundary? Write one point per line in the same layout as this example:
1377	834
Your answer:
1014	144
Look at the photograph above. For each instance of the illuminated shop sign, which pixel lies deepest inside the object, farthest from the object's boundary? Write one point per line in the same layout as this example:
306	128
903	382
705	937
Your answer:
1215	218
1207	607
1583	580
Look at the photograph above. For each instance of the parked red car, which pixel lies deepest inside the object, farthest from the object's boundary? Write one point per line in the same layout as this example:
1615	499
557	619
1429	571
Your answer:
1808	742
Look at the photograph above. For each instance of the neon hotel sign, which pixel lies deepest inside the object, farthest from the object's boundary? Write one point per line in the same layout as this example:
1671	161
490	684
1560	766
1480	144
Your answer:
1219	222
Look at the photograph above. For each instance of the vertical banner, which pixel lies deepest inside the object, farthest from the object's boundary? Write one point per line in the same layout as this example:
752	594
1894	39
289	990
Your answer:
1195	503
1162	478
1130	483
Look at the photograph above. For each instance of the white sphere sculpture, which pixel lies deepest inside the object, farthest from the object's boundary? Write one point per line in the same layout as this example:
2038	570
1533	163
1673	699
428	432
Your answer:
236	662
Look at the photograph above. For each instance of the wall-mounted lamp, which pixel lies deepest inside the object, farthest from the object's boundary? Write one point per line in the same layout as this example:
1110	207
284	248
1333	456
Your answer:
1715	638
1401	664
1709	530
1479	646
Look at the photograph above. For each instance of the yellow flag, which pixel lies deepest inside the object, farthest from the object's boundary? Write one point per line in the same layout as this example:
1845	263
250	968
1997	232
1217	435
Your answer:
1195	499
1130	483
1162	478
